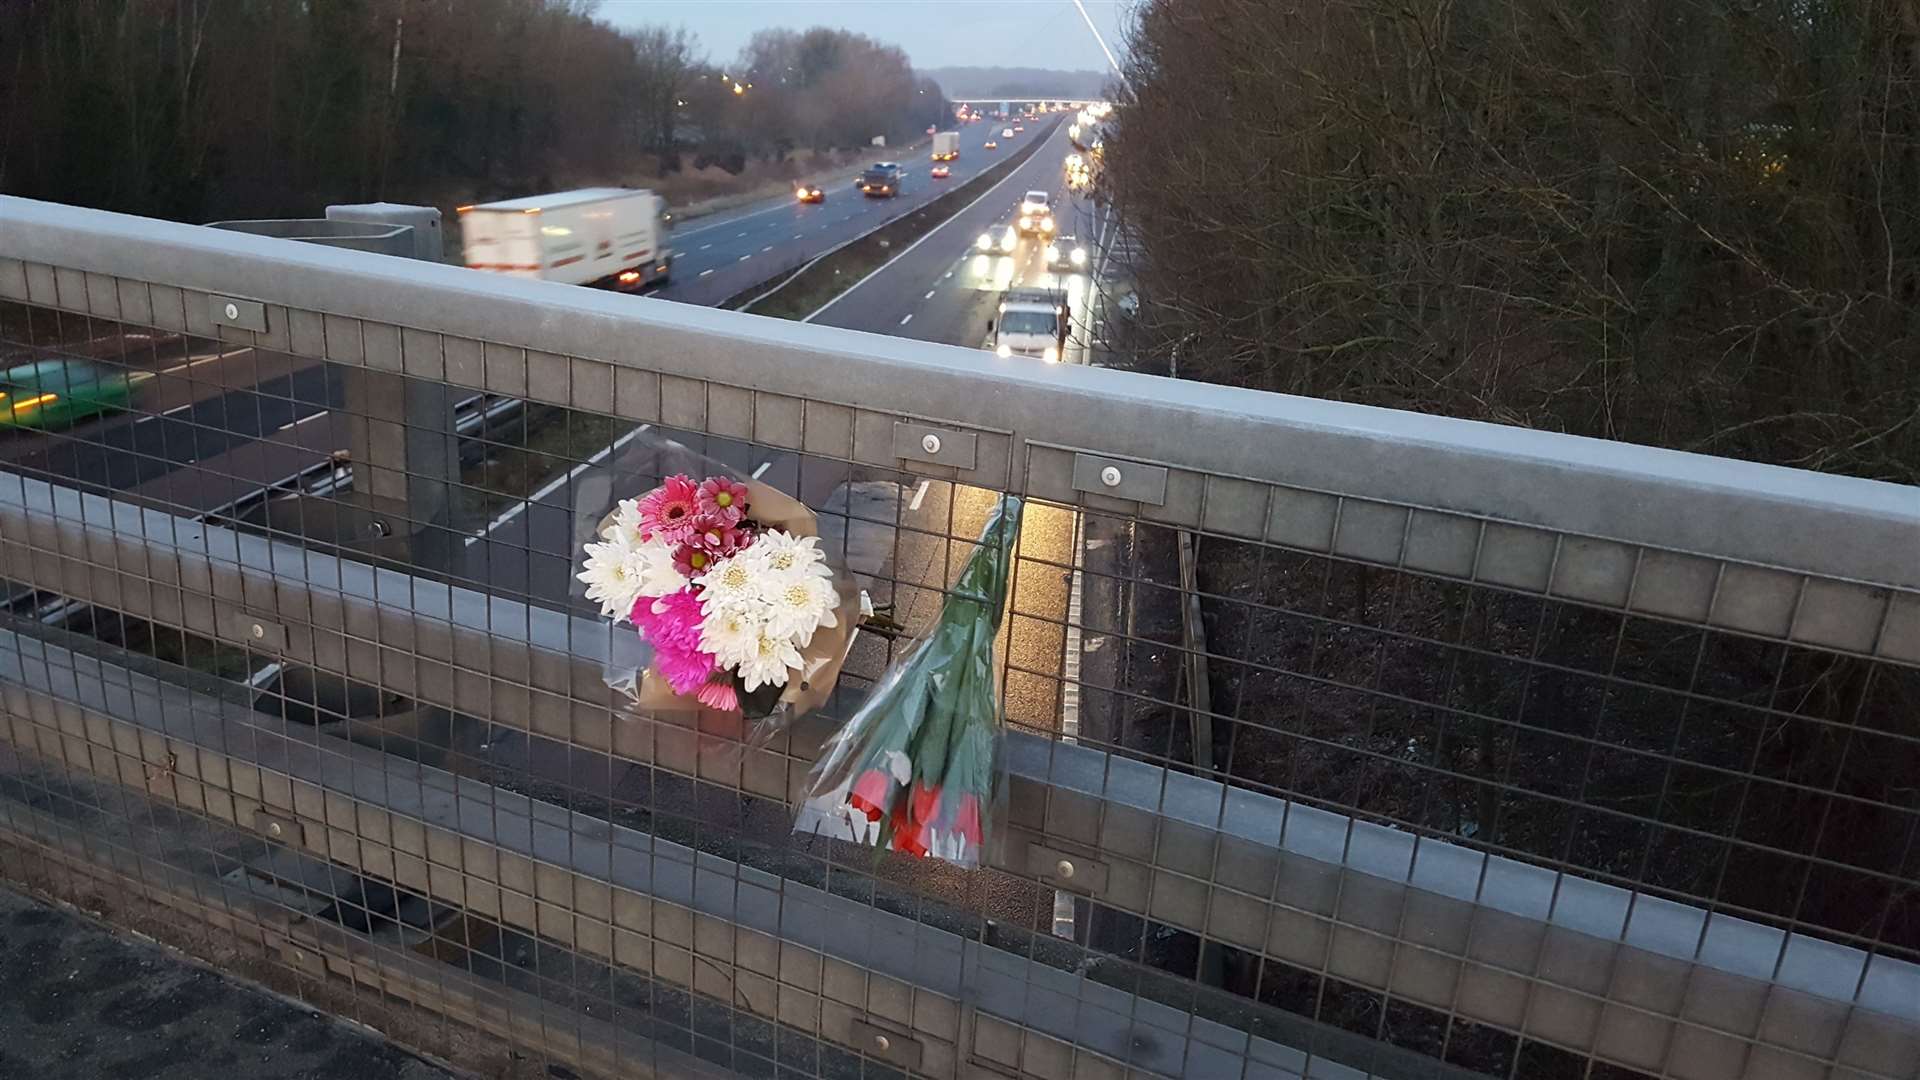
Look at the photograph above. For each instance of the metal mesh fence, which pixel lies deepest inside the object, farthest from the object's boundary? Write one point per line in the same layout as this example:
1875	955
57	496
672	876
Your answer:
1303	783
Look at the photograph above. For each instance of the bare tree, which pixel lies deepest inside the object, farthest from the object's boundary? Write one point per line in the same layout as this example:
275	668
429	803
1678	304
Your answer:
664	63
1689	223
230	108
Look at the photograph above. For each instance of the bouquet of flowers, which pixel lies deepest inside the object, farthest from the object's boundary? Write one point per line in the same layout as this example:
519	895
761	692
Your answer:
915	768
725	580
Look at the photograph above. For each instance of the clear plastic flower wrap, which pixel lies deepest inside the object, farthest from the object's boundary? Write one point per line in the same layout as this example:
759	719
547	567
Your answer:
917	767
725	580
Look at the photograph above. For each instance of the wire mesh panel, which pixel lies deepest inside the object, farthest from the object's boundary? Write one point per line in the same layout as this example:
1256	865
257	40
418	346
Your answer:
1319	765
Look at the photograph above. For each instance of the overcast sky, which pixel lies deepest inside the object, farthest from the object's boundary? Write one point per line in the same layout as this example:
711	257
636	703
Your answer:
934	33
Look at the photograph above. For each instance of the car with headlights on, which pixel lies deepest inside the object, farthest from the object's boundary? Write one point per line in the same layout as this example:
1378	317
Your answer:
1004	243
940	172
1036	214
810	193
991	145
52	394
1065	253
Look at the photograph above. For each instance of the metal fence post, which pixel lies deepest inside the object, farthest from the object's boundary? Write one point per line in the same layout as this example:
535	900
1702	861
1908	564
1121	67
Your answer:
402	446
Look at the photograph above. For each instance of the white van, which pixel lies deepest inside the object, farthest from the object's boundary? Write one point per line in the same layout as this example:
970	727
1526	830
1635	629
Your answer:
610	237
1036	214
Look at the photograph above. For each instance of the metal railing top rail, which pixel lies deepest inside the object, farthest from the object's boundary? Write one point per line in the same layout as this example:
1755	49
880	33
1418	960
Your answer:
1838	527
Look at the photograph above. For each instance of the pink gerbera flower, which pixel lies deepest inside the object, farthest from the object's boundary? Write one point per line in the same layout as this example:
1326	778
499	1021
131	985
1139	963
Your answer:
670	622
691	561
715	538
686	670
718	692
723	500
670	510
707	543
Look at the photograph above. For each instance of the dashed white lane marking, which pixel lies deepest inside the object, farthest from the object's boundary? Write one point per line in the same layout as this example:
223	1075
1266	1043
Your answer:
907	318
302	420
194	363
704	247
918	495
704	273
929	295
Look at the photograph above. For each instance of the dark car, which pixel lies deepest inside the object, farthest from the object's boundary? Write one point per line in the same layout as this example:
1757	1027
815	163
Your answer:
813	193
882	179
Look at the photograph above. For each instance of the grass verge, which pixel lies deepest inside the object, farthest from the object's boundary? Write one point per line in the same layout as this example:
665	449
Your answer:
805	290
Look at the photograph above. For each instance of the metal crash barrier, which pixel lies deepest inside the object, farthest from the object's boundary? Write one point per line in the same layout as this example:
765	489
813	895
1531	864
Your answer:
1342	742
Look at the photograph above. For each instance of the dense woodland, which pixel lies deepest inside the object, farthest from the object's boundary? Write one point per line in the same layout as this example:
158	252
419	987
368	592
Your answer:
1684	223
204	109
990	82
1689	223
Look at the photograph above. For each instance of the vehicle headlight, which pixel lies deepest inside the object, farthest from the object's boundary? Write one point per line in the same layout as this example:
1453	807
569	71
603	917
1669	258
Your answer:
985	243
1047	224
1008	241
1053	255
1079	256
1003	351
1050	354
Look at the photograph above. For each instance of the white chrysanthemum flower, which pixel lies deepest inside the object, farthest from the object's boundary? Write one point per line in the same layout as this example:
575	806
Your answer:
626	517
622	569
769	664
735	584
653	563
612	573
731	635
800	605
781	554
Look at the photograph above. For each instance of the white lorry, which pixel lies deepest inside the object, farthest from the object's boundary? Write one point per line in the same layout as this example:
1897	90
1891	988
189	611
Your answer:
946	146
615	238
1031	322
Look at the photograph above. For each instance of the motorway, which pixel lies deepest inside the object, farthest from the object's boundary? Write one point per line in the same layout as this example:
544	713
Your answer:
946	290
530	548
714	258
209	423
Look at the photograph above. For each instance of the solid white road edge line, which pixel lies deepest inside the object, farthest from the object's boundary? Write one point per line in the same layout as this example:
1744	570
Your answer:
555	484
